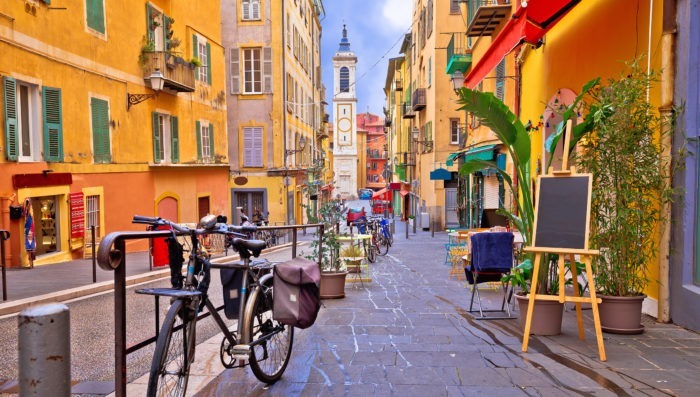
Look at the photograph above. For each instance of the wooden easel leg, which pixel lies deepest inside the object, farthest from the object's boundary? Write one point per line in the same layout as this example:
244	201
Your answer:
531	303
594	307
574	277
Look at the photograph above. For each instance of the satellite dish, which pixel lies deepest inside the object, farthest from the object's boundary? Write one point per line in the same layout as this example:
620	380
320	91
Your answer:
240	180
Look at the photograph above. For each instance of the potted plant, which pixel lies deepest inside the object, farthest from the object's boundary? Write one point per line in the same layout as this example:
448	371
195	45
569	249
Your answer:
147	49
624	154
195	62
332	272
352	256
515	137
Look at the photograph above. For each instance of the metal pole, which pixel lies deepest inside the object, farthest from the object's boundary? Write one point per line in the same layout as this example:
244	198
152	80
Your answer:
94	257
294	243
120	321
44	351
407	225
4	235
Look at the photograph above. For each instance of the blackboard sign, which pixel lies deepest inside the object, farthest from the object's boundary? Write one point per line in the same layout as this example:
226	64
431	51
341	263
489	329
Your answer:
562	213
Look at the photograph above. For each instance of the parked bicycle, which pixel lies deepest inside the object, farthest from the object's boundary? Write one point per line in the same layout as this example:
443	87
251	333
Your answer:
261	341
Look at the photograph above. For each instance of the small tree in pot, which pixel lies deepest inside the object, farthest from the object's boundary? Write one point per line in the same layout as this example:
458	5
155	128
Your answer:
332	270
624	154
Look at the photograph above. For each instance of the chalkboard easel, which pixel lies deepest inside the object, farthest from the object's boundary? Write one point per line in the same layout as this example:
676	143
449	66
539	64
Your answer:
562	219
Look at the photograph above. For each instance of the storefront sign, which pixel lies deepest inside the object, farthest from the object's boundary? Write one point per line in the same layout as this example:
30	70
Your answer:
77	215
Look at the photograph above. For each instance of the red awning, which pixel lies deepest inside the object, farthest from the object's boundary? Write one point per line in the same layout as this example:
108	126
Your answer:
380	193
527	25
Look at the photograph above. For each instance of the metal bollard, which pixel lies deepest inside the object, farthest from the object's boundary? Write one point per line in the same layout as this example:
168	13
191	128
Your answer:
44	351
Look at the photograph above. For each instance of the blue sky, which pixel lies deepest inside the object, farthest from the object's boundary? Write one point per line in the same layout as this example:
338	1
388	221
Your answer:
375	30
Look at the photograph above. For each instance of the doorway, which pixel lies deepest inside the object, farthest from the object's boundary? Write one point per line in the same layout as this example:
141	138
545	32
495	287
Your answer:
46	211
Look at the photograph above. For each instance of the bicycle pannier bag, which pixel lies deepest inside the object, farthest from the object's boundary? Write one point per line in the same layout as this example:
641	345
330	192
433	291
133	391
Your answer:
296	296
231	281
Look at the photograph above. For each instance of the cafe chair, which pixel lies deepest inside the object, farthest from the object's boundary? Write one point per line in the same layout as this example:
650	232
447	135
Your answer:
491	258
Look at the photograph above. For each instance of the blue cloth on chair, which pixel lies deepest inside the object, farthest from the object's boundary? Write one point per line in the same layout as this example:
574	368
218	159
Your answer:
492	255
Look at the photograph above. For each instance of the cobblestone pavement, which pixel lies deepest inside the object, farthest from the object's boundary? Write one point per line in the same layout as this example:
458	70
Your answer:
408	333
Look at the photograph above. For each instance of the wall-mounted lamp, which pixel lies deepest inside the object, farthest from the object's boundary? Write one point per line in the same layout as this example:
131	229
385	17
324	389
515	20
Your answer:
300	147
428	144
457	79
157	80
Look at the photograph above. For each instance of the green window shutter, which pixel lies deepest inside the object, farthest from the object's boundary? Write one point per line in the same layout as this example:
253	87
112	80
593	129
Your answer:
157	157
208	64
100	130
174	140
95	15
195	52
211	141
53	124
149	15
199	141
166	30
10	100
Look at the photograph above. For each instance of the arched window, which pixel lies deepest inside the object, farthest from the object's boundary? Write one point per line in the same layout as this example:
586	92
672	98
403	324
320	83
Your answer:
344	79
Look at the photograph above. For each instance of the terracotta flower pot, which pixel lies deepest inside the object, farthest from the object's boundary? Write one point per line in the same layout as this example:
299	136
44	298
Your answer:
546	317
332	285
621	314
353	266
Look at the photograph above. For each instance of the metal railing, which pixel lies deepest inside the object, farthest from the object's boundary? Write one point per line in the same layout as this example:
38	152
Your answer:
111	256
178	73
4	235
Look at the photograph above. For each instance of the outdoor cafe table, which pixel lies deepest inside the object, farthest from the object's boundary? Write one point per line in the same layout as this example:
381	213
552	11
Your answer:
360	239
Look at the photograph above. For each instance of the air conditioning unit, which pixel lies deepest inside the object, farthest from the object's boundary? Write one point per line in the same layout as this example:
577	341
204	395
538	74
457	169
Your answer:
424	220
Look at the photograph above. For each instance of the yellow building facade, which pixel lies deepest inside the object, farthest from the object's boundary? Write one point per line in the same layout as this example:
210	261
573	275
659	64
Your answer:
275	114
86	139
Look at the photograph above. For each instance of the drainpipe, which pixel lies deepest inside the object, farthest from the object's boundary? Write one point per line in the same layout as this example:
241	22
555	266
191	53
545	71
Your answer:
284	90
666	111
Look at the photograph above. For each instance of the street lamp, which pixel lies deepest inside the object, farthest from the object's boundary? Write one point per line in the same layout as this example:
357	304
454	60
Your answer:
427	143
157	80
457	79
300	147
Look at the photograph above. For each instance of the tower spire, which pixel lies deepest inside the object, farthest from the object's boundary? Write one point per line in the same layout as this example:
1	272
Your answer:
344	42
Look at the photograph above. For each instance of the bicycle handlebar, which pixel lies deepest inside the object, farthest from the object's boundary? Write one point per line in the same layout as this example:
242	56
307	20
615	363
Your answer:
221	228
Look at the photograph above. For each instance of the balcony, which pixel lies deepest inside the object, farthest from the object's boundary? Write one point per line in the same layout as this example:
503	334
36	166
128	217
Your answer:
408	112
419	100
459	56
485	16
398	84
178	73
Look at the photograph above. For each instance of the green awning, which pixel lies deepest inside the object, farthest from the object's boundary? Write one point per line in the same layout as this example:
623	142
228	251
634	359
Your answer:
476	153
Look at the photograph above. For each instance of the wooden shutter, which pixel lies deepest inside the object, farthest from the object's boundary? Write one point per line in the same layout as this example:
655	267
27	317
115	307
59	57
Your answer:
53	124
245	11
174	140
267	70
252	147
100	130
208	65
199	141
500	79
157	158
96	15
211	141
166	29
255	9
149	14
235	71
195	53
11	124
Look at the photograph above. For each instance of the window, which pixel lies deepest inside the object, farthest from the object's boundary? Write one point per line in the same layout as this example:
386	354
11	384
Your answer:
252	72
23	133
235	70
251	10
454	131
205	141
202	51
166	142
289	32
101	145
500	80
95	15
344	79
430	71
252	146
92	213
454	7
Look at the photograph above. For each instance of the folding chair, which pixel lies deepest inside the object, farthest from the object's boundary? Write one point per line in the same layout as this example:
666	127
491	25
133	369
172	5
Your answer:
491	258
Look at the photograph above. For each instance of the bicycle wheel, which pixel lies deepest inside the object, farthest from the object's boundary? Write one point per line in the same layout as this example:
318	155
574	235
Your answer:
383	245
372	252
174	352
269	358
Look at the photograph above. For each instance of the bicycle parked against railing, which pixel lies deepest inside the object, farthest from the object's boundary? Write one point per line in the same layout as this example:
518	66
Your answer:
260	340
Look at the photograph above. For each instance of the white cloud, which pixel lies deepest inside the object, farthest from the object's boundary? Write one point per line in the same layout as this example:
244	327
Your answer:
397	14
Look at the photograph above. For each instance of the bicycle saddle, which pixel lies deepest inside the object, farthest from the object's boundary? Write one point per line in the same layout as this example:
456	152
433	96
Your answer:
246	248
